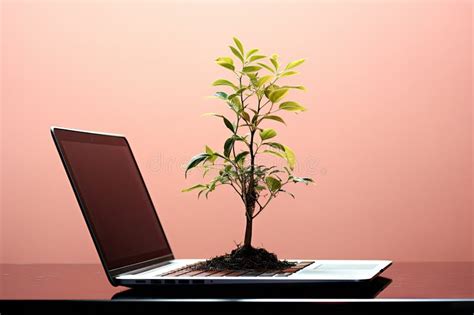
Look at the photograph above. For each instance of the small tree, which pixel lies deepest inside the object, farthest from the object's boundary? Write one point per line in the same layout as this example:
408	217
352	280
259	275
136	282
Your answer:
254	99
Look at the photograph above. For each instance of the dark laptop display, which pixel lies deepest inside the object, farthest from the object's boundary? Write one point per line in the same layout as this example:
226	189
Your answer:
114	198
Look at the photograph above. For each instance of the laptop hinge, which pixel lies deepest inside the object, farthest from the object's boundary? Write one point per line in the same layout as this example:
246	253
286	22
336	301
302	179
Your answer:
142	265
140	270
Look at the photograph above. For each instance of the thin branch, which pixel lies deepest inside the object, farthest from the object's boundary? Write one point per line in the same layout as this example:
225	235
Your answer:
265	104
263	207
247	98
236	190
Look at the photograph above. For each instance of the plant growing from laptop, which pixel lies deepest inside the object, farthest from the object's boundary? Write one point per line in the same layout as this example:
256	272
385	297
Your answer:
255	97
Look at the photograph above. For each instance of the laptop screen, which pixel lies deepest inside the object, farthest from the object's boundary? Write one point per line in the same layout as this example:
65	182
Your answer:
114	198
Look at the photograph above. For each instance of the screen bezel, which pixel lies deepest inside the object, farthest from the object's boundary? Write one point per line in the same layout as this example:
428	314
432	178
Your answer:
111	273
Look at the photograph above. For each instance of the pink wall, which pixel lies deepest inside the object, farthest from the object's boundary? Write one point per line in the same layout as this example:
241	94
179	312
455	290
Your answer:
472	138
388	134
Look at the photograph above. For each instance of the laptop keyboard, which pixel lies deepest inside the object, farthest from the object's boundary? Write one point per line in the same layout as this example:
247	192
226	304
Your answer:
190	271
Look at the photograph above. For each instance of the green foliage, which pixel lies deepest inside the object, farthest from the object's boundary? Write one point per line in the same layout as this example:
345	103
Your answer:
224	82
292	107
249	69
277	94
273	184
274	117
294	64
195	160
237	53
267	134
226	62
254	99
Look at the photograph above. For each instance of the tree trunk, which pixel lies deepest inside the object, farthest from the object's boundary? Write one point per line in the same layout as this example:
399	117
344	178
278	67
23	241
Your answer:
249	209
248	233
250	197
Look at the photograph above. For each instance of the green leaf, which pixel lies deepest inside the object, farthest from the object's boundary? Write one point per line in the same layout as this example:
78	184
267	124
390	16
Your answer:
275	153
277	94
229	143
267	134
226	62
251	52
292	107
251	68
254	118
298	87
221	95
235	103
209	150
235	98
290	157
288	73
212	185
264	80
294	64
269	89
273	184
276	145
239	91
239	45
266	67
228	66
305	180
195	160
224	82
236	53
256	57
275	172
274	117
241	156
240	138
212	157
274	61
193	187
228	124
245	116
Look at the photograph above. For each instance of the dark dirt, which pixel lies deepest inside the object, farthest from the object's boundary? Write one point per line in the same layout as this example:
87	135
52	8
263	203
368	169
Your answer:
245	258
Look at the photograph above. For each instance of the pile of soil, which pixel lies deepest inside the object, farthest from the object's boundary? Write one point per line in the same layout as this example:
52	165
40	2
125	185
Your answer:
245	258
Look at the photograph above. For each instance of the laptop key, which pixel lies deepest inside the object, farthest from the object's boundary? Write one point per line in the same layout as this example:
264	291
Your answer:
191	273
178	272
236	273
208	273
285	274
222	273
252	274
269	274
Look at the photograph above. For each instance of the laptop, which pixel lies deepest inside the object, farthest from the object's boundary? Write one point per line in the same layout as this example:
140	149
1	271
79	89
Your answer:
130	239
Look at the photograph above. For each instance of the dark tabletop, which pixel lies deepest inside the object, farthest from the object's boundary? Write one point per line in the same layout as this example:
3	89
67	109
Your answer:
404	288
403	280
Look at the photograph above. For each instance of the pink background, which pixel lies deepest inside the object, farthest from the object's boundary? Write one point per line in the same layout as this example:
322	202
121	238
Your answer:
388	134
